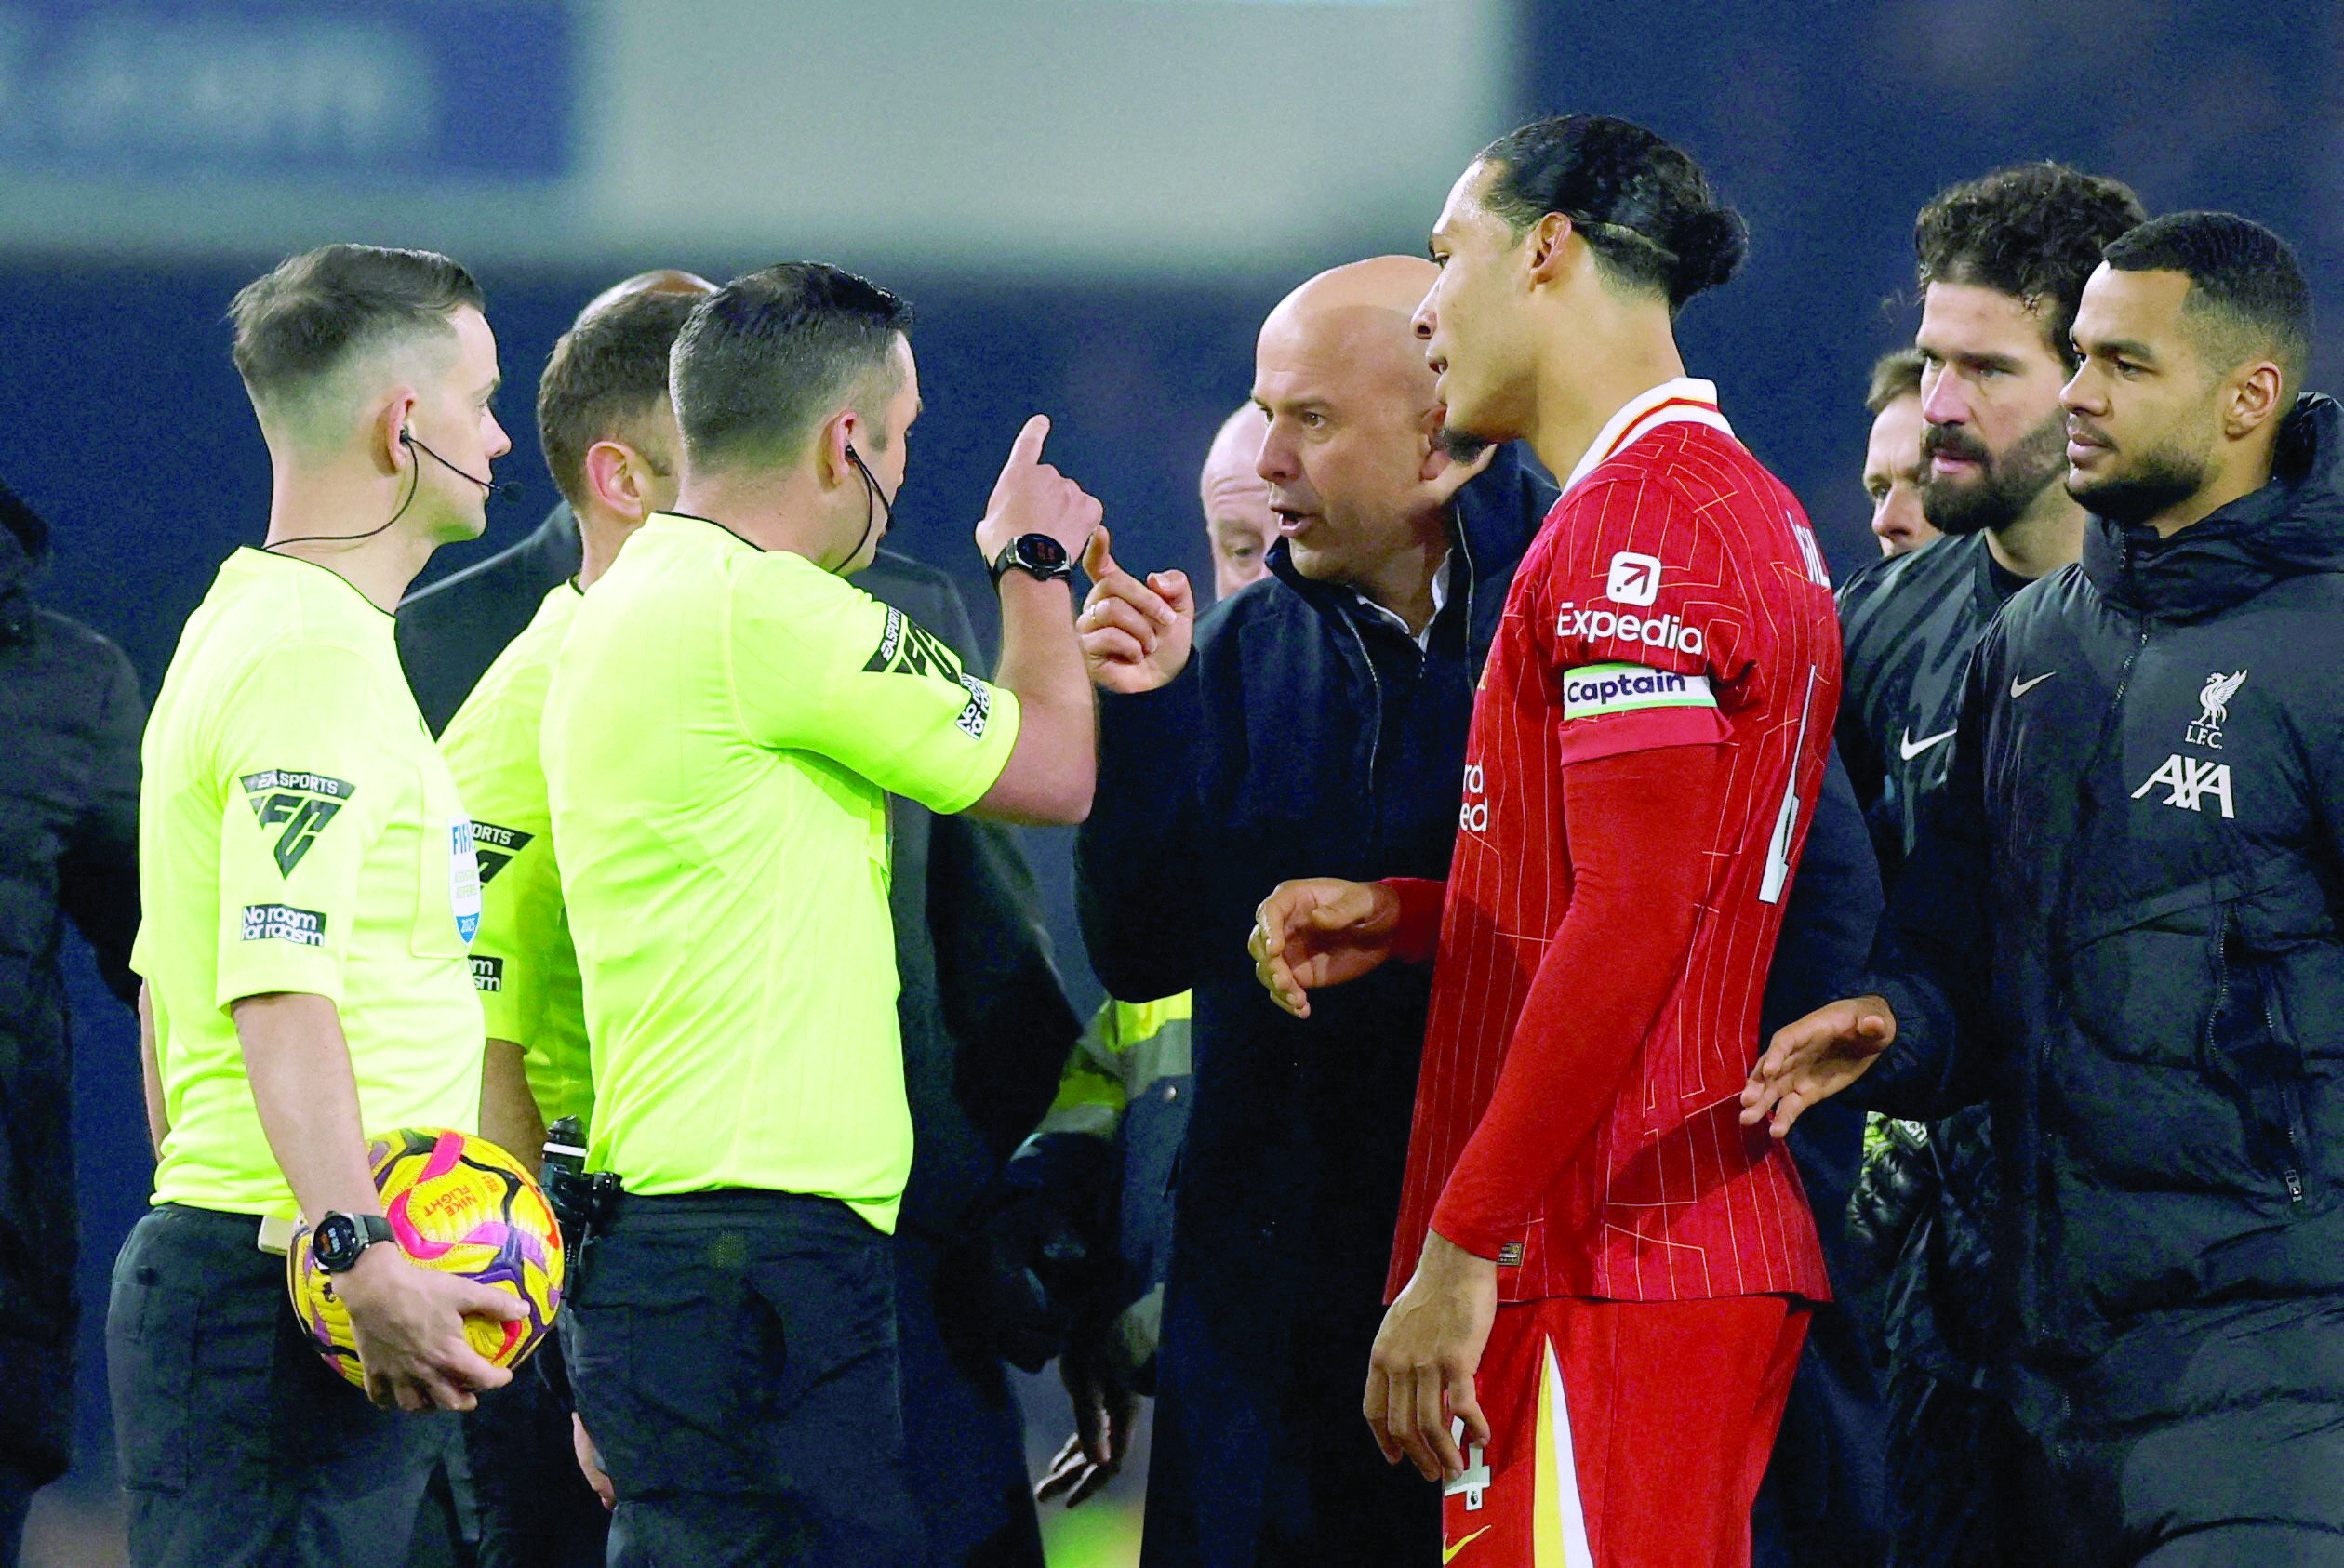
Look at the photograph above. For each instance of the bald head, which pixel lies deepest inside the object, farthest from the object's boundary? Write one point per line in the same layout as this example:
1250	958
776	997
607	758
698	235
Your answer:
1358	480
1358	317
661	280
1238	521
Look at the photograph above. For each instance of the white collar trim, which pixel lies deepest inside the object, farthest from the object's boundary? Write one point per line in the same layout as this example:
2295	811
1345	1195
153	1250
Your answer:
1682	400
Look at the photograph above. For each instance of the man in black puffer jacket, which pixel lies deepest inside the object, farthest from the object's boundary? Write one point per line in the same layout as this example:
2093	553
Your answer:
70	717
2122	927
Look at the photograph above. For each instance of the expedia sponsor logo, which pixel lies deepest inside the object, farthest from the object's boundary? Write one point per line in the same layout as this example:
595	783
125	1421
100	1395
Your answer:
496	847
281	922
1621	688
1633	578
302	803
488	974
978	712
1655	631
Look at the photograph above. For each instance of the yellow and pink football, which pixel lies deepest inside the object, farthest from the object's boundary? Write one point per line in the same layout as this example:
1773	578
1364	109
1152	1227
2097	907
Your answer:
457	1202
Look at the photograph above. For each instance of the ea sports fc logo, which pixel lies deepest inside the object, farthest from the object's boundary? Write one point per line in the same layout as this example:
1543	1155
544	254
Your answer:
1656	631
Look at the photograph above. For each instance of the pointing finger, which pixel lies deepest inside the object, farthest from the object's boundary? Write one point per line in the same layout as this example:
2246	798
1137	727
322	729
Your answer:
1026	451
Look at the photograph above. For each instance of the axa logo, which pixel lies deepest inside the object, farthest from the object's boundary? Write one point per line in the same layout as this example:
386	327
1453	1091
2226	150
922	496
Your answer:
2189	780
300	802
2213	709
1634	579
1473	816
1656	631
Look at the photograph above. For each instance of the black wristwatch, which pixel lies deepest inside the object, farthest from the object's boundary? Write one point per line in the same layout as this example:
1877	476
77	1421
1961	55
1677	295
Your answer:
340	1238
1037	555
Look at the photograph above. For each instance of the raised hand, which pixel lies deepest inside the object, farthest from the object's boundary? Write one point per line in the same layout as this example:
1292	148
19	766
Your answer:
1320	931
408	1322
1136	635
1815	1058
1033	498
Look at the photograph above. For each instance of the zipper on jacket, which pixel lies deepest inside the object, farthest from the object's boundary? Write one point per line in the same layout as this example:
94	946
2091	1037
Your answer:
1375	730
2221	982
2291	1096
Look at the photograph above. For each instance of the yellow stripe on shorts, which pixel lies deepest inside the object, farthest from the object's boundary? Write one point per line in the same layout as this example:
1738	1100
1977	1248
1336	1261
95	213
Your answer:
1558	1524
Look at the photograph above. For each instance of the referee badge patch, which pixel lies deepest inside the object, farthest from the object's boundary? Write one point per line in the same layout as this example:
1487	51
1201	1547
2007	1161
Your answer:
282	923
1592	690
978	712
495	847
298	802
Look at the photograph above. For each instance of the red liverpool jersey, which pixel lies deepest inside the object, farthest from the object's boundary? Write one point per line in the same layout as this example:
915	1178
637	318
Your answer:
1674	597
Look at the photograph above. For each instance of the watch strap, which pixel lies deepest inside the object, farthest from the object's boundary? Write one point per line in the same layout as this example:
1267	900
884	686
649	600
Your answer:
1035	562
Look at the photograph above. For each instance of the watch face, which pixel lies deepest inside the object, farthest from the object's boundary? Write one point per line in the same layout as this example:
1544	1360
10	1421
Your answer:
335	1243
1041	550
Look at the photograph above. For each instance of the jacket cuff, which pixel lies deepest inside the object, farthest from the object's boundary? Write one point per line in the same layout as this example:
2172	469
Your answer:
1142	736
1911	1079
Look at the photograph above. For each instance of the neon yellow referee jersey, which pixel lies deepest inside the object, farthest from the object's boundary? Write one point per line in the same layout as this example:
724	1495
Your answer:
723	730
297	831
523	963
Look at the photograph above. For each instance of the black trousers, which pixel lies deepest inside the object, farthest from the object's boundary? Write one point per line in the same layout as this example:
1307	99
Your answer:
734	1357
239	1447
532	1504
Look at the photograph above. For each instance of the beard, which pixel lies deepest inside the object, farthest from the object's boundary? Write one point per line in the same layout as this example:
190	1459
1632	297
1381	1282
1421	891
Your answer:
2159	480
2007	482
1462	446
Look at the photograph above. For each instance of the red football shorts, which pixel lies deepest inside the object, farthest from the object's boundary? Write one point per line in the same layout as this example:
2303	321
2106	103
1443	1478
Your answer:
1623	1434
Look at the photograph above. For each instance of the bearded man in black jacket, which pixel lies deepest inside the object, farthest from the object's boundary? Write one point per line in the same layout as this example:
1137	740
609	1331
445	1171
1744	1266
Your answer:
2122	926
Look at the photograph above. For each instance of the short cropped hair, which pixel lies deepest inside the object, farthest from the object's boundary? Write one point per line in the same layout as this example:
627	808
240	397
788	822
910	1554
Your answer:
1894	375
2033	232
2247	293
609	369
303	321
1642	205
766	357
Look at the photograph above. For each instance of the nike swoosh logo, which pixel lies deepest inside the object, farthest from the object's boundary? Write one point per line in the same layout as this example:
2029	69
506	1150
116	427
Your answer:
1908	748
2020	688
1448	1552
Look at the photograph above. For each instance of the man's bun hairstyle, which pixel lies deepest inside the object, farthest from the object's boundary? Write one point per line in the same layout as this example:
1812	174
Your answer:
1642	205
2033	232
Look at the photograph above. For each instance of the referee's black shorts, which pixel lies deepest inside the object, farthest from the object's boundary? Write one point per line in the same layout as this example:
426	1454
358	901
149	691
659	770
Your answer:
734	1357
238	1446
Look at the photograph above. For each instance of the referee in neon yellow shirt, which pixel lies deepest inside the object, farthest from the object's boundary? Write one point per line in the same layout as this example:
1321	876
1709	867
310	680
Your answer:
727	717
608	435
308	886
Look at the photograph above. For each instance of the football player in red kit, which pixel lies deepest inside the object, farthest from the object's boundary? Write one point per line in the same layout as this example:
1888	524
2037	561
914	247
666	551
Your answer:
1599	1286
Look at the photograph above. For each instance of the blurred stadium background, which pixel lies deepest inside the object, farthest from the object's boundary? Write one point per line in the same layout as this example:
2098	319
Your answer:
1091	203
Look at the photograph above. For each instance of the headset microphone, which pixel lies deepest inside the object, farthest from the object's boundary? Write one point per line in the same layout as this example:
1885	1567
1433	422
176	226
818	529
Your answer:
498	489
